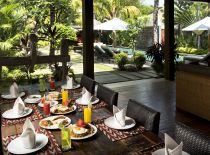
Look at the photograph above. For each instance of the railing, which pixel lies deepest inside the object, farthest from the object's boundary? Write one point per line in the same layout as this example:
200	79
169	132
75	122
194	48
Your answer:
33	58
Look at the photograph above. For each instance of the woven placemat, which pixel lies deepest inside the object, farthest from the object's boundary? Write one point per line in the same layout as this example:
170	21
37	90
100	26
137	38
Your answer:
115	135
99	105
35	115
52	148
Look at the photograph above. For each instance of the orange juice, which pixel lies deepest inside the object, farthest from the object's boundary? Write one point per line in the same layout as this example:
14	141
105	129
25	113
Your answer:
87	115
64	96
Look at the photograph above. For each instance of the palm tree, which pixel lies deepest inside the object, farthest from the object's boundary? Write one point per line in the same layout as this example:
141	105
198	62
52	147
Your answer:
155	21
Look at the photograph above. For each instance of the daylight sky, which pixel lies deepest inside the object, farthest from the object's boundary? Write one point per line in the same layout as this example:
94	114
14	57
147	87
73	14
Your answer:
151	2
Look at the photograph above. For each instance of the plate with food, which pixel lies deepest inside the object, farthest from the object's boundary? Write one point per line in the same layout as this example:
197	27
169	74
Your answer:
52	103
81	130
54	96
53	122
33	99
62	109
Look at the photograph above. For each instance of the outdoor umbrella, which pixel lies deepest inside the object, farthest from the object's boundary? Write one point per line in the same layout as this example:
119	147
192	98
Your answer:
113	25
198	28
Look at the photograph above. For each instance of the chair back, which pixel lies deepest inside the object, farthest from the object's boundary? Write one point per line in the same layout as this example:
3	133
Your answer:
107	95
194	142
144	115
99	50
88	83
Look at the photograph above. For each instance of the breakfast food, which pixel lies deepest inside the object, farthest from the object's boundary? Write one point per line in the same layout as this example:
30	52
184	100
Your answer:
61	109
81	129
54	121
54	95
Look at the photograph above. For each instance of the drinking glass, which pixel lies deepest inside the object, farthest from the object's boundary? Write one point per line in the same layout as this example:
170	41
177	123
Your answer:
52	85
87	115
64	96
65	138
46	108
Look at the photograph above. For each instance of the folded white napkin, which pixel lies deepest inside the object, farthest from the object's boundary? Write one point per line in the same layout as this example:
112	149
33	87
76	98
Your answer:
18	107
86	97
119	115
171	147
69	82
14	90
28	135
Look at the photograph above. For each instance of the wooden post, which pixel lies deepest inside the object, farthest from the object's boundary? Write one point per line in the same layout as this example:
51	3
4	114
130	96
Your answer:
88	38
64	52
33	54
0	73
169	40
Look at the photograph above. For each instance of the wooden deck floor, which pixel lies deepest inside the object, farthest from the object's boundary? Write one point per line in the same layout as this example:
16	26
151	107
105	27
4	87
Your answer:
160	95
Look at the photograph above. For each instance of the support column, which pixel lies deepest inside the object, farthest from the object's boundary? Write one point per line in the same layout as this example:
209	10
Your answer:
169	40
88	38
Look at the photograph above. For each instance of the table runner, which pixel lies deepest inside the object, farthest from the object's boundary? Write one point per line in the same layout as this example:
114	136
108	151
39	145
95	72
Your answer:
99	105
36	115
51	148
115	135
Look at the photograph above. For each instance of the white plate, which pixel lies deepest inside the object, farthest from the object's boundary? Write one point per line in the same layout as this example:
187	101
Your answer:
55	126
88	136
16	146
9	114
74	86
33	99
162	152
51	109
10	97
94	100
111	122
52	103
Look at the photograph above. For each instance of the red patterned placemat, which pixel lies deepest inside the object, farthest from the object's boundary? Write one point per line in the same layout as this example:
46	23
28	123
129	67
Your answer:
99	105
114	134
52	148
36	115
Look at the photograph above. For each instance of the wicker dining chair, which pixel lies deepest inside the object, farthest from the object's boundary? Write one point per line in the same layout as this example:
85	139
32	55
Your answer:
194	142
144	115
88	83
107	95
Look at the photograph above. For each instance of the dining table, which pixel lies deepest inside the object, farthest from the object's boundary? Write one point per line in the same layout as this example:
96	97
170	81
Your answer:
107	141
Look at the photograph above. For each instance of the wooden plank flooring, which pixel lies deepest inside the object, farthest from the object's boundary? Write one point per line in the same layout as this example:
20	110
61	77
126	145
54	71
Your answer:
160	95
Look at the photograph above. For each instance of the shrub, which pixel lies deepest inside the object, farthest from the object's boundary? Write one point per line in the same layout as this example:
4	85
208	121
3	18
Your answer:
139	59
121	59
190	50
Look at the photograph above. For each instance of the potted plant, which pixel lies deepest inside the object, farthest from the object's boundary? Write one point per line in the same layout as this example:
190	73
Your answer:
156	54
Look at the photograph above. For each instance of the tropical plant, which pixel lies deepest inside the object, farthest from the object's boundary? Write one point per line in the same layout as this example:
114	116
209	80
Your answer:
121	59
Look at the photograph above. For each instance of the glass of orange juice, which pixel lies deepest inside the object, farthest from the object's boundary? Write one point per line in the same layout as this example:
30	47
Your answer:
87	115
64	96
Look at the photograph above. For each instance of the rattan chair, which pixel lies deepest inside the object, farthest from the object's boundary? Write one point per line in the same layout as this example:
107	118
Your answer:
88	83
194	142
107	95
144	115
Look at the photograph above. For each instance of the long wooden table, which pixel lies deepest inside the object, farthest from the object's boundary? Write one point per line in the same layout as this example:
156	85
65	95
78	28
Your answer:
99	144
